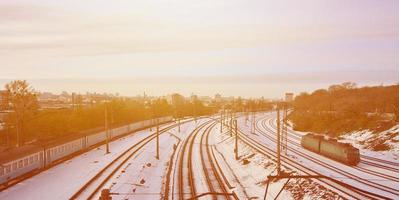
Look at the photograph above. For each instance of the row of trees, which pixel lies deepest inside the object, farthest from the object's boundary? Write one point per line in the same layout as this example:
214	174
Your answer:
345	107
28	122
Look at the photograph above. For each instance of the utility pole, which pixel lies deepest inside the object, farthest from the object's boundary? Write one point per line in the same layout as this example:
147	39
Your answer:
157	139
178	119
221	121
195	112
278	142
285	130
254	122
231	123
236	142
106	129
246	117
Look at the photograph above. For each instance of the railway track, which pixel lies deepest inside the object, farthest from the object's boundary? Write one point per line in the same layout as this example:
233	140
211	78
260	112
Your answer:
187	172
373	161
347	191
212	174
365	170
367	160
210	167
351	176
92	188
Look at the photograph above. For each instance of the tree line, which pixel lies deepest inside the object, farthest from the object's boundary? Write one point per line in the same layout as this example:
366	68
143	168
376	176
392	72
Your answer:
29	123
346	107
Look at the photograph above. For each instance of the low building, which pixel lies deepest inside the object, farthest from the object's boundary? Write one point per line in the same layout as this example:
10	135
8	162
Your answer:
4	99
289	97
218	98
175	99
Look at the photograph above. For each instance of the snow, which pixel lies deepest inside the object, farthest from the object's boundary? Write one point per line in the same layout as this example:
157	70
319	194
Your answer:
365	139
144	177
326	166
249	179
63	180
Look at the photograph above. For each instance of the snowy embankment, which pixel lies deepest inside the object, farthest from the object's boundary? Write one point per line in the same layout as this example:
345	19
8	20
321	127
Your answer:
384	143
249	173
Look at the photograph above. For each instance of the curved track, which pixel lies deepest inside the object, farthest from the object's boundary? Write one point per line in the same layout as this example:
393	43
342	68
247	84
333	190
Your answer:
92	188
385	192
296	143
345	190
211	173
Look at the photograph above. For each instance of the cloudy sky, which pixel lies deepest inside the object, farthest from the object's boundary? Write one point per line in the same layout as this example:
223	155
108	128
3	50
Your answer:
234	47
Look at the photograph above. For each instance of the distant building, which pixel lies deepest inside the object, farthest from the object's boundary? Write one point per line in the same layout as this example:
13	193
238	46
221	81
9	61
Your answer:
175	99
4	99
193	98
218	98
289	97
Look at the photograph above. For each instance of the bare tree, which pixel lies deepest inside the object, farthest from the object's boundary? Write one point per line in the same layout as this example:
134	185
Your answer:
23	99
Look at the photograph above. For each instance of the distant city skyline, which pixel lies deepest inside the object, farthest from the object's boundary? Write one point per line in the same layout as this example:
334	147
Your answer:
268	86
241	48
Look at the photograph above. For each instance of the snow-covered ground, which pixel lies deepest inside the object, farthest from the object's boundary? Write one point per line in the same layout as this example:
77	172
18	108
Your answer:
381	145
63	180
145	177
376	180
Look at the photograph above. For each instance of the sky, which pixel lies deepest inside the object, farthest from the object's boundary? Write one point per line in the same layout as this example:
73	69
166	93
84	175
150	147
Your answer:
247	48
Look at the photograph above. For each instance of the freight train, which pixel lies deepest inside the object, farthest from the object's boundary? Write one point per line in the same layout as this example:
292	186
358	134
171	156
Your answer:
341	152
18	164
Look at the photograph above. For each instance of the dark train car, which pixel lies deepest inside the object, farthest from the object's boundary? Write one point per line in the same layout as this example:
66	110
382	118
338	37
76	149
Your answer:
311	142
338	151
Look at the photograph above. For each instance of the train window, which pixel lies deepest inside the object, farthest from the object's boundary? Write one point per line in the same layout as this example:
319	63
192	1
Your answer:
25	161
20	164
14	166
36	158
1	171
7	169
31	159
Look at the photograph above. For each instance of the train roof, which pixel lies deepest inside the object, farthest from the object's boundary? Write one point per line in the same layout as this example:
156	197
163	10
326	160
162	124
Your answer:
341	144
330	140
